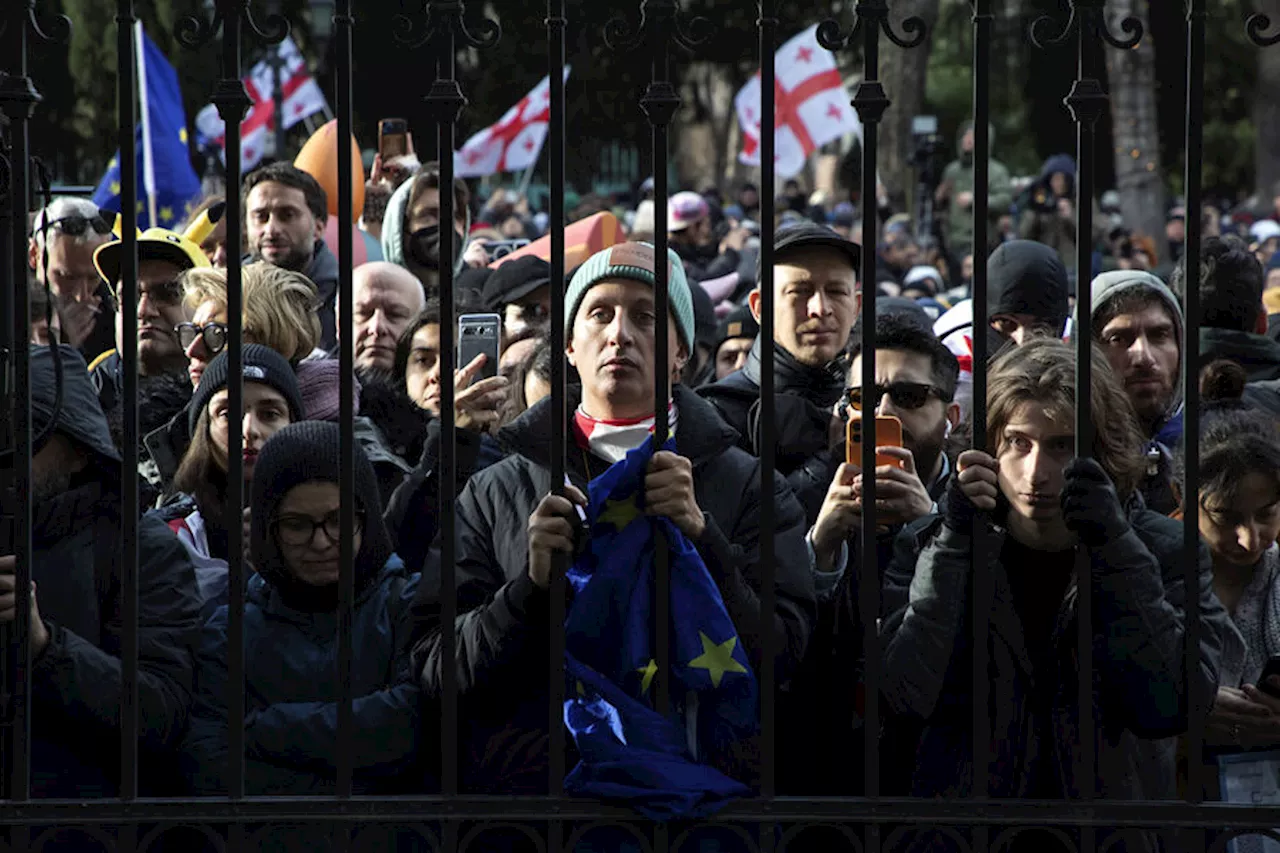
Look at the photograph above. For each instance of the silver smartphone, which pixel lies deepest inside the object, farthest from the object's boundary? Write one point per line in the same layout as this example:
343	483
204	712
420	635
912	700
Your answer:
480	333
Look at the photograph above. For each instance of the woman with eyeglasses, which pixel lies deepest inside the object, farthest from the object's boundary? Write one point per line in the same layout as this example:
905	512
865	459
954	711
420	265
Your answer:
196	509
279	312
291	619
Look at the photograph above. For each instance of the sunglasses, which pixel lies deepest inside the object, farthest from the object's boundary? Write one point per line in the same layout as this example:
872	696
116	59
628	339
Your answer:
76	225
214	335
905	395
164	292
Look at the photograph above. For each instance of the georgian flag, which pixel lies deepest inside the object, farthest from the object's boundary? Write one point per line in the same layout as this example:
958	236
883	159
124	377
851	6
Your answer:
514	142
811	106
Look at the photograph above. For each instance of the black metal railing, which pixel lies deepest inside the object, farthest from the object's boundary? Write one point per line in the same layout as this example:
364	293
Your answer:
452	819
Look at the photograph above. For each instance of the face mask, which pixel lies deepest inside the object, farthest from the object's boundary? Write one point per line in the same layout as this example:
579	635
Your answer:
423	247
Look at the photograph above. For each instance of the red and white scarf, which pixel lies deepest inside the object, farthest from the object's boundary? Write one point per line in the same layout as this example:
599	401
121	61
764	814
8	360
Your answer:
611	439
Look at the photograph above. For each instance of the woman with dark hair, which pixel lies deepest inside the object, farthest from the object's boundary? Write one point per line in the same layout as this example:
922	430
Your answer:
290	621
1239	519
195	508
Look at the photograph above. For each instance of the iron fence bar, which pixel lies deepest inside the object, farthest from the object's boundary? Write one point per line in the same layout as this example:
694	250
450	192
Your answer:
768	36
983	591
343	25
556	23
880	810
871	17
127	95
1197	702
18	98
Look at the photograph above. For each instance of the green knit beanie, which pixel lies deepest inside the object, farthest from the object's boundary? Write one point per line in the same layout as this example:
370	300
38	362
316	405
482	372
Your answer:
634	262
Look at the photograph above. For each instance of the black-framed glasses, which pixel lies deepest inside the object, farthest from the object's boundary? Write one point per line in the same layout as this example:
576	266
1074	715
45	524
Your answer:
76	225
905	395
300	530
214	335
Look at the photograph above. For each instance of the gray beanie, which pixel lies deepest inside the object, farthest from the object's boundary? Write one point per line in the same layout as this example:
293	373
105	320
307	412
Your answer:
634	262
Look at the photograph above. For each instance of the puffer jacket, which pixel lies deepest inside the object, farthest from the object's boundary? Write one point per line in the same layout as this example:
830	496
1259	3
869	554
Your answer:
291	693
1140	689
76	699
504	618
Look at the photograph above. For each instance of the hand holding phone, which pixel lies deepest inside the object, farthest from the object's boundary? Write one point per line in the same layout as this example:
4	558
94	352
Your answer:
888	433
393	138
480	334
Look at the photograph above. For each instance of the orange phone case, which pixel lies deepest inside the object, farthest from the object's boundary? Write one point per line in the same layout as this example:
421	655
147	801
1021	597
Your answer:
888	434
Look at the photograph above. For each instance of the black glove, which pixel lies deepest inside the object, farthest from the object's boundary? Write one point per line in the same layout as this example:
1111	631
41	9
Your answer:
960	511
1090	506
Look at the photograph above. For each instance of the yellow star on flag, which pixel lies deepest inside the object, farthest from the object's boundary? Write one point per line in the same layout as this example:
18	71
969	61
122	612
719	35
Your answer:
166	214
582	690
114	187
717	658
182	135
619	513
647	672
140	207
114	162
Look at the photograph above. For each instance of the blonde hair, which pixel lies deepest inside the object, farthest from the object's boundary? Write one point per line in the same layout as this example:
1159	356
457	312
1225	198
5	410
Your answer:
279	305
1043	371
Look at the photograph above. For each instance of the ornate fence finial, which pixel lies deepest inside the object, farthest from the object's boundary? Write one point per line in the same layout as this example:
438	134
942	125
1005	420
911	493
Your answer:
1256	26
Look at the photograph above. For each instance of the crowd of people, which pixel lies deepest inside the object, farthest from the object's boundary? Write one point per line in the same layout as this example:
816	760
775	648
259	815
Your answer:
1022	483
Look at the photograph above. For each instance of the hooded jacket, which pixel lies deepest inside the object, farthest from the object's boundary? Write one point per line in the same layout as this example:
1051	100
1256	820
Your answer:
959	176
396	221
1025	277
323	272
76	681
803	401
291	649
1157	487
503	617
1041	221
1139	668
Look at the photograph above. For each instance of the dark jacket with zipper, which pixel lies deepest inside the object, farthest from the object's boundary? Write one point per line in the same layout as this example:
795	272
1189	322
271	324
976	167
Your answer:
1140	691
803	401
503	624
75	682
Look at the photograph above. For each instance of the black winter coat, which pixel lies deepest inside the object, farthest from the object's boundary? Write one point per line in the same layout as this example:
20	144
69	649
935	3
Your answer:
76	696
1140	688
503	623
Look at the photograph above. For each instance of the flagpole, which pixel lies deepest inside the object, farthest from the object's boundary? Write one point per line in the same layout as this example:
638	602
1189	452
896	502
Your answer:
527	179
148	164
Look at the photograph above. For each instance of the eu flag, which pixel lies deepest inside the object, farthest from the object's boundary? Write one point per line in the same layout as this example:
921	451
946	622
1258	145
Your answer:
660	765
167	182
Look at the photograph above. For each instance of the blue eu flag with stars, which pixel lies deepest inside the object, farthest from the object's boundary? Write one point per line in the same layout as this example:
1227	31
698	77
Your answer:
659	765
176	184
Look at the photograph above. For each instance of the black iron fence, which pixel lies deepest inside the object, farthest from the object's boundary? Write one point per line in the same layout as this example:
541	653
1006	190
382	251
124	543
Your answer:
653	31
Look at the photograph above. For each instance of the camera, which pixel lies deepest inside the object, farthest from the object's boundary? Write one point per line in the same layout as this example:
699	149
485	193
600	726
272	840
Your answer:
926	144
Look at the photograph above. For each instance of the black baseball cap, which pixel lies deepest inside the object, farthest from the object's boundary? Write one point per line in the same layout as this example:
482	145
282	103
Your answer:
804	235
515	280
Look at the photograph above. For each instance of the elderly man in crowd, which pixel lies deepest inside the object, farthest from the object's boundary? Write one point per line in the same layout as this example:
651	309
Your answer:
68	232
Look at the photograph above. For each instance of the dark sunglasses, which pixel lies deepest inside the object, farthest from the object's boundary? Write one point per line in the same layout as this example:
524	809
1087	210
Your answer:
76	225
905	395
213	334
165	292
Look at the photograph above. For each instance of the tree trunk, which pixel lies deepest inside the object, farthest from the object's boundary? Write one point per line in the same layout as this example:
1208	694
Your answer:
704	125
903	73
1136	129
1266	113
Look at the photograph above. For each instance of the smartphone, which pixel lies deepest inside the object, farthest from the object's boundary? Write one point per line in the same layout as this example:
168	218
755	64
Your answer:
501	248
1272	668
888	434
393	138
480	333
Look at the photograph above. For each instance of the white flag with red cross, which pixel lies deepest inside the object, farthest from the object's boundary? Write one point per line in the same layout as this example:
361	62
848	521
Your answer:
514	142
811	106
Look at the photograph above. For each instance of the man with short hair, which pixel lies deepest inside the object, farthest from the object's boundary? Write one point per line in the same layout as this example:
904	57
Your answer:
1232	322
385	299
76	635
1137	325
510	527
1039	507
75	228
955	194
285	210
916	378
816	299
897	255
735	336
411	227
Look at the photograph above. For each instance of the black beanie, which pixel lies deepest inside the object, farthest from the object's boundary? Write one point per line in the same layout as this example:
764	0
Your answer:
302	453
261	364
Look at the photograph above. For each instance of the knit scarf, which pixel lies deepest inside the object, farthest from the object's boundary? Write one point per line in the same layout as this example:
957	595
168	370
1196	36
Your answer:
611	439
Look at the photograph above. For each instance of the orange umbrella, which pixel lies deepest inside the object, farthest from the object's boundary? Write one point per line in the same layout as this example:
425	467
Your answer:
582	239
